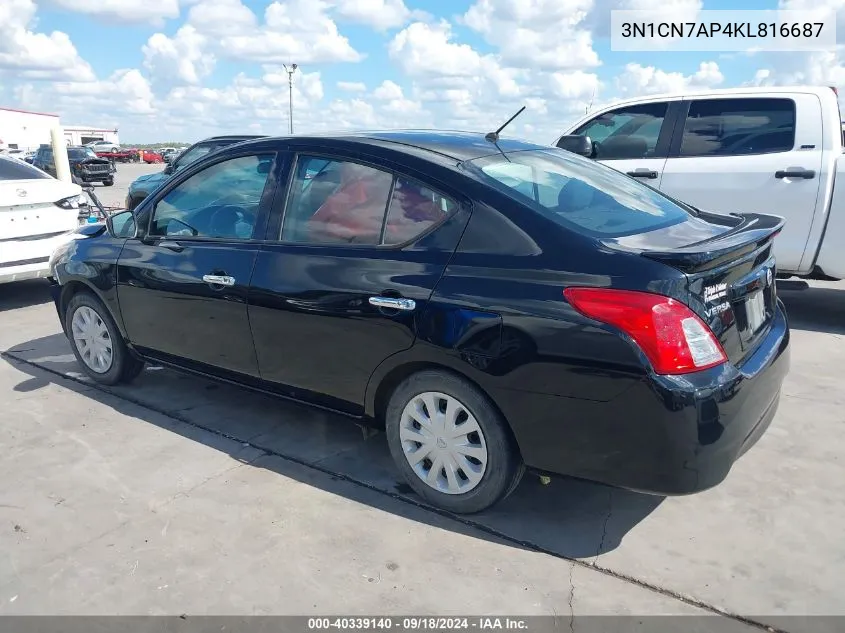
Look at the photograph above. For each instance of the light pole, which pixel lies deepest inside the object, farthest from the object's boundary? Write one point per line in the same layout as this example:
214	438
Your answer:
290	72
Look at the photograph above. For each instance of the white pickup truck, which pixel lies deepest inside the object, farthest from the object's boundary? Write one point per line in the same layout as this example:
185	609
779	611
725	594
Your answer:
766	150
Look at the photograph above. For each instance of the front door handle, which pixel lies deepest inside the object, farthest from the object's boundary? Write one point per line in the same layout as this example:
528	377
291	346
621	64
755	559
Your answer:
796	172
642	173
393	303
219	280
173	246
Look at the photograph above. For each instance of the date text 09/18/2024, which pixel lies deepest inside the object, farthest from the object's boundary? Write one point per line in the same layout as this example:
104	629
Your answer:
420	623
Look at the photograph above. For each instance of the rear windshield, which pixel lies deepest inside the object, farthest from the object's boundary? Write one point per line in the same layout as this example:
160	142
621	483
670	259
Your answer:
578	193
13	169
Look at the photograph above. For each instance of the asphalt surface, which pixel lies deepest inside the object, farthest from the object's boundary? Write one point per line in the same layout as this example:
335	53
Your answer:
177	495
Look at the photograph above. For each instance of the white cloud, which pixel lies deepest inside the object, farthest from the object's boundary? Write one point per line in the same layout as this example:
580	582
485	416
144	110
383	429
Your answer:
643	80
222	17
27	54
126	11
180	59
352	86
296	30
388	90
545	34
378	14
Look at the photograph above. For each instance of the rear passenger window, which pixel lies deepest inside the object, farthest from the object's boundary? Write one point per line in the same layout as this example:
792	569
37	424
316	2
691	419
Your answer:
628	132
739	127
413	210
342	202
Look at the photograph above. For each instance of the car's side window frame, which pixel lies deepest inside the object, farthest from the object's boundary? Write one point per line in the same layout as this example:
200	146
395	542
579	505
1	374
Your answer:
662	148
460	202
148	206
680	124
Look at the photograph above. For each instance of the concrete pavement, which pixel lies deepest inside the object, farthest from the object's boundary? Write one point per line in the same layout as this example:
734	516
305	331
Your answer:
178	495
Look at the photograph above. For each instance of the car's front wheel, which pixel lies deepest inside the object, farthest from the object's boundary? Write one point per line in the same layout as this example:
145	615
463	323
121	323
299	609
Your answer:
109	182
450	443
97	343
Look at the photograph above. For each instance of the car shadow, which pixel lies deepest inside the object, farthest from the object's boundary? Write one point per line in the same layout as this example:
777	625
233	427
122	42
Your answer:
816	309
564	517
23	294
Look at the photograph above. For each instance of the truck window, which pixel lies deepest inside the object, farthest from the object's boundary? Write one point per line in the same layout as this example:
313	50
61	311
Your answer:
738	127
627	132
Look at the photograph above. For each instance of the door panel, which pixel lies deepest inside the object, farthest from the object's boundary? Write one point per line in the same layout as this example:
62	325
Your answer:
183	287
318	336
168	309
633	139
730	154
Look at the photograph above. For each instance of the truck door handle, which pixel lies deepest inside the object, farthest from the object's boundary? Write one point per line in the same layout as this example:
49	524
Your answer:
219	280
796	172
642	173
393	303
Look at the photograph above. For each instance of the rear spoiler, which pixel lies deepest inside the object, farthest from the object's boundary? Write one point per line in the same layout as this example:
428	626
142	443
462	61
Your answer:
751	232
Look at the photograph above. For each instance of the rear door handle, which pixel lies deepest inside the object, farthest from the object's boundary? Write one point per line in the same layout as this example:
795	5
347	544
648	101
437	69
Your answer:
219	280
796	172
393	303
642	173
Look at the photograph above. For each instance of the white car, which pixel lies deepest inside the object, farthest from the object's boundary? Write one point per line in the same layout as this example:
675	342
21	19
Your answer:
37	214
103	146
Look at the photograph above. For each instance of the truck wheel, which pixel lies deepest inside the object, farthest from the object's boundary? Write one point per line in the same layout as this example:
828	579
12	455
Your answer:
109	182
450	443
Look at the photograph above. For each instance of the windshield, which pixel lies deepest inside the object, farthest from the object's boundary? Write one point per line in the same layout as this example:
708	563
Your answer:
193	154
14	169
578	193
79	153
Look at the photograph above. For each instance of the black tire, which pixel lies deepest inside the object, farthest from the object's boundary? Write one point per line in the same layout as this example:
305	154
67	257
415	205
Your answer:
124	367
109	182
504	464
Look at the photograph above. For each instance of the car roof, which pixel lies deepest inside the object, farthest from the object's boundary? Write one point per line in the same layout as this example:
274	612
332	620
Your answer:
232	137
454	145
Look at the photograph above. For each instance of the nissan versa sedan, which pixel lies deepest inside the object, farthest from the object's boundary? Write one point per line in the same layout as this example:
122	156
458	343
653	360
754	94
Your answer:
496	305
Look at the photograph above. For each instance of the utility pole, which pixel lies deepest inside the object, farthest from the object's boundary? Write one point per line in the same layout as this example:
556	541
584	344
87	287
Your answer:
290	72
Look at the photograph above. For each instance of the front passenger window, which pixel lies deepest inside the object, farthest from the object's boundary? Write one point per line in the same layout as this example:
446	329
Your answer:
221	201
627	132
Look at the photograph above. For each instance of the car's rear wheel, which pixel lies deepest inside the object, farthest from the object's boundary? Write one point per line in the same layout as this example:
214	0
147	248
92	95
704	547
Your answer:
450	443
97	343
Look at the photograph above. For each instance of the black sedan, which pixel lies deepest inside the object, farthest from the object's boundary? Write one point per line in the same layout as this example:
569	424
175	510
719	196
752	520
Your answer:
495	305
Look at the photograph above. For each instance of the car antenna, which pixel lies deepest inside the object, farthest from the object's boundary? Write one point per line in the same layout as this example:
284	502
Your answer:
493	137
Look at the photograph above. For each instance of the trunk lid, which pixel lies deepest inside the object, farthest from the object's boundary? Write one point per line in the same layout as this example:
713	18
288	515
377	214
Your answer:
28	212
730	268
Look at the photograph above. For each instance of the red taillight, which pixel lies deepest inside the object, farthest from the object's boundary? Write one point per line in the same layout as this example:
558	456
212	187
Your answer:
671	336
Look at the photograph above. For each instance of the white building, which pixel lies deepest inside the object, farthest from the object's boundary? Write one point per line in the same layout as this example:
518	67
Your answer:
21	129
80	135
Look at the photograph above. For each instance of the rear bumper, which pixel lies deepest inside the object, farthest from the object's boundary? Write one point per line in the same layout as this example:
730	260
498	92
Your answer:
31	258
669	435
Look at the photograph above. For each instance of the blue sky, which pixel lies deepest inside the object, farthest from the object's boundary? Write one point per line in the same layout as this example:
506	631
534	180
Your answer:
183	69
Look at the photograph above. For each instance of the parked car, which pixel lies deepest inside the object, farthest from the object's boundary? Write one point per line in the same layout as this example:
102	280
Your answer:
169	154
143	185
85	165
770	150
37	214
496	306
104	146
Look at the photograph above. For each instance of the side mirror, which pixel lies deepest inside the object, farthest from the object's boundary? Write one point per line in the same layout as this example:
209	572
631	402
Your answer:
169	169
122	225
577	144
